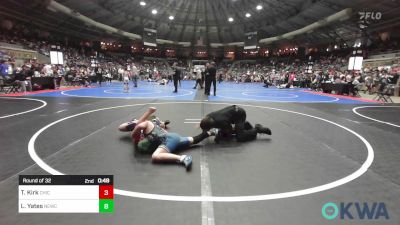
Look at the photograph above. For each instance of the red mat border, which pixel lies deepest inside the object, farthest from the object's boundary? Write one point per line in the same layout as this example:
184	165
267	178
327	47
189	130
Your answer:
343	96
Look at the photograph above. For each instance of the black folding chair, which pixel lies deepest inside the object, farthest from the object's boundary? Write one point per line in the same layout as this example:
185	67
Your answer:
14	87
384	92
8	86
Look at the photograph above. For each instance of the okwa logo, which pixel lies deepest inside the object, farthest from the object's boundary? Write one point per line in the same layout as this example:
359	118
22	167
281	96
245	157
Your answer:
355	210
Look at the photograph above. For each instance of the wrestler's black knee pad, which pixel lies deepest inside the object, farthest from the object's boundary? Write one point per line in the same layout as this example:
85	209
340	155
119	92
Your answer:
247	125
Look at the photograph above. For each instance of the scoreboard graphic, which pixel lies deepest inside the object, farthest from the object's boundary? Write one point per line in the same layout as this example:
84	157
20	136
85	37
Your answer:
66	194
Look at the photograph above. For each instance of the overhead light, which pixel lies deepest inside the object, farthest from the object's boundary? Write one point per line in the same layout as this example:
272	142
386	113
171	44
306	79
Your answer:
248	15
259	7
154	11
230	19
142	3
171	17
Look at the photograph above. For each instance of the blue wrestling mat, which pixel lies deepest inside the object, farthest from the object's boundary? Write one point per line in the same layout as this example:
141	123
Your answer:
256	92
145	90
231	92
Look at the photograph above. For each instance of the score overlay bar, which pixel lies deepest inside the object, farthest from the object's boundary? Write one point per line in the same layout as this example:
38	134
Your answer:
66	194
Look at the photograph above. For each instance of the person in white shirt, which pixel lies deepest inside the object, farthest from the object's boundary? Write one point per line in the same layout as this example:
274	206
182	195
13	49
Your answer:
36	74
48	70
126	74
198	79
108	75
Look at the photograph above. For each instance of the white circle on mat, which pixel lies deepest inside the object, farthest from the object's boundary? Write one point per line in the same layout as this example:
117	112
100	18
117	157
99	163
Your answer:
186	93
28	111
364	167
268	95
134	91
280	101
376	120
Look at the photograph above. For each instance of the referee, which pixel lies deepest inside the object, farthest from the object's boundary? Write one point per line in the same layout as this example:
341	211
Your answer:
211	78
176	76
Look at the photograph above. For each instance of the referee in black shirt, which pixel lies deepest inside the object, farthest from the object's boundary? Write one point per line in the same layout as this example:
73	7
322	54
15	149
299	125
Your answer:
211	78
232	121
176	76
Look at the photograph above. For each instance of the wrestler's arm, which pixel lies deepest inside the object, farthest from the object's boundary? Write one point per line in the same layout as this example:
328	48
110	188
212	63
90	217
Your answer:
147	114
137	131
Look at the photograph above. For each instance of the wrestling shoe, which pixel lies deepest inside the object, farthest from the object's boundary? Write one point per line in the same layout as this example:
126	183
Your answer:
262	130
213	132
155	120
187	162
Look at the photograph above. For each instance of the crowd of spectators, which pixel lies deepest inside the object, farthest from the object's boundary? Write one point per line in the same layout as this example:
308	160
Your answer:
292	72
82	68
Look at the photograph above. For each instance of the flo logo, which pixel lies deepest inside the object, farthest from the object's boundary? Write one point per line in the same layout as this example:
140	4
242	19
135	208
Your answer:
355	210
370	15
